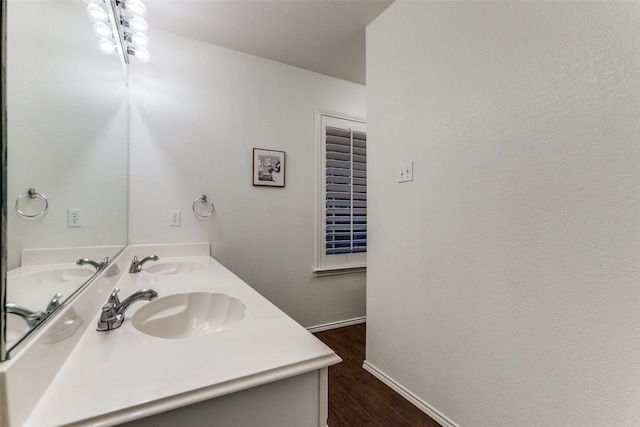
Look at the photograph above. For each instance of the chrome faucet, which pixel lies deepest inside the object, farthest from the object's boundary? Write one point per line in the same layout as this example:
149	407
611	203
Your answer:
136	265
113	311
99	266
33	317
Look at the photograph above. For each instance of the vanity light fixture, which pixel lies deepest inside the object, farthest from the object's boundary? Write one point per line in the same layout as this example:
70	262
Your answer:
120	27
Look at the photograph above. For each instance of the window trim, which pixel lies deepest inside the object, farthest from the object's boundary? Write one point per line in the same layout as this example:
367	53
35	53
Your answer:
320	265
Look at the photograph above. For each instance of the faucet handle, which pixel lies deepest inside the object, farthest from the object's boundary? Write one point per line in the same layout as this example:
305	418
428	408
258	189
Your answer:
109	308
113	298
108	316
135	265
54	303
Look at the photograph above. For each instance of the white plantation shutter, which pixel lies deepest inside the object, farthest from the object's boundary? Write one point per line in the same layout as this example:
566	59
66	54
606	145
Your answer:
346	191
342	202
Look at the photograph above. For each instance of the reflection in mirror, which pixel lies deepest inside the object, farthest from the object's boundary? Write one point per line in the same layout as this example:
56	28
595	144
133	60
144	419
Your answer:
66	107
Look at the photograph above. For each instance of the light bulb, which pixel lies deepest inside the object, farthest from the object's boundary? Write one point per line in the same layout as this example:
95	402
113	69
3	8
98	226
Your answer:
138	24
140	39
96	13
107	46
136	8
102	30
142	54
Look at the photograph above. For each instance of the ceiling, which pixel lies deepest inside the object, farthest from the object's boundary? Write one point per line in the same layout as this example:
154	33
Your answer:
325	36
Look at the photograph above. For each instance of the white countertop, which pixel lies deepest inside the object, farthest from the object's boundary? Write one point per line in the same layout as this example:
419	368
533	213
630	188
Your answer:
121	375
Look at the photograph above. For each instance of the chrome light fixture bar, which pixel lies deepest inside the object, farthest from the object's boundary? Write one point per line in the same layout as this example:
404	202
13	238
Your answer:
120	26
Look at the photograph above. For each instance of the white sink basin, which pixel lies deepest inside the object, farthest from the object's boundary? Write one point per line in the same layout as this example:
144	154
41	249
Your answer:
188	315
183	267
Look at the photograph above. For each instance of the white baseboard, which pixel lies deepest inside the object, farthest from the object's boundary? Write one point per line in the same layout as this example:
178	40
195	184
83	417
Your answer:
338	324
404	392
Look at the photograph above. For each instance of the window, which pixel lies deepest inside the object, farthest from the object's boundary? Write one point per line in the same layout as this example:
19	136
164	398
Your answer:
341	194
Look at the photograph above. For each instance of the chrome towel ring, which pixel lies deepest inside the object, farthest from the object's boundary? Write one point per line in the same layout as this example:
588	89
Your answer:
32	194
206	201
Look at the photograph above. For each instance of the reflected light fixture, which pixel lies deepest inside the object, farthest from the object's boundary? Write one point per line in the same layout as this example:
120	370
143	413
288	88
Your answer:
120	27
107	45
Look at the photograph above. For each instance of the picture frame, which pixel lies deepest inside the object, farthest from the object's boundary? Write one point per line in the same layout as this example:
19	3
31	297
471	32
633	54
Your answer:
268	167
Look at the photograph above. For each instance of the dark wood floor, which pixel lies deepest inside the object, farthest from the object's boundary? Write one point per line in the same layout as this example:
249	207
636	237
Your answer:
357	398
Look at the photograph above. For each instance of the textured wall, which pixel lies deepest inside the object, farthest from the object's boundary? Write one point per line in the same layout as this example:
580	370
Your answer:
503	283
197	111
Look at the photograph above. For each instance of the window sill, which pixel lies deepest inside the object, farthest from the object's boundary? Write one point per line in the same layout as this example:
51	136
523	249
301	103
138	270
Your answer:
336	271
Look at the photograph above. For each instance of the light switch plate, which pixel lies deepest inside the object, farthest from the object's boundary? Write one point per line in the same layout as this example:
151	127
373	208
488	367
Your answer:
405	172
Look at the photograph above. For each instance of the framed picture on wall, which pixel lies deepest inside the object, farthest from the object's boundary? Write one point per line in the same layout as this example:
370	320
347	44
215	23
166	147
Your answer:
268	167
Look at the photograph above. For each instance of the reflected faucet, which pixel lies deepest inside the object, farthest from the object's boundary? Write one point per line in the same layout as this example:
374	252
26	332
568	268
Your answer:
33	317
97	265
54	303
113	311
136	266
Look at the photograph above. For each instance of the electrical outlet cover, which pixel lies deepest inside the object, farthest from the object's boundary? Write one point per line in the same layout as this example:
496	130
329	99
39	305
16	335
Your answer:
174	218
74	219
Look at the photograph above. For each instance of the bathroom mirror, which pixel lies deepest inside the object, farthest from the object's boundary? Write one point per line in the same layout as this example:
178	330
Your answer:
66	140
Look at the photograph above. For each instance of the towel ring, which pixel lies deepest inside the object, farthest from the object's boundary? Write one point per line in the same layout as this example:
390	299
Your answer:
32	194
205	200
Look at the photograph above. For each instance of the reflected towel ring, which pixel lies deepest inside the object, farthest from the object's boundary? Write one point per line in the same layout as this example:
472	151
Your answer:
203	199
32	194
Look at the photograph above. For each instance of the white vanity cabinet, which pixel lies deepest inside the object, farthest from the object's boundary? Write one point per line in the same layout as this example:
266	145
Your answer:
261	370
297	402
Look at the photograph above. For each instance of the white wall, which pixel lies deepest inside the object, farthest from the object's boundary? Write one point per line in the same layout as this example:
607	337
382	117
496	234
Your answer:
197	111
503	282
66	129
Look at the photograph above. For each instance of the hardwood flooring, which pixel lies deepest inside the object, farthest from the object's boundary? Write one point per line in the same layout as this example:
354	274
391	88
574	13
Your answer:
357	398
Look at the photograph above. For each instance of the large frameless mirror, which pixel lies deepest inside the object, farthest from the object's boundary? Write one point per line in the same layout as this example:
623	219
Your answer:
66	166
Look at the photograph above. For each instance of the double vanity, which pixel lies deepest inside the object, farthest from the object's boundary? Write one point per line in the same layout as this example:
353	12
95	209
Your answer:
195	345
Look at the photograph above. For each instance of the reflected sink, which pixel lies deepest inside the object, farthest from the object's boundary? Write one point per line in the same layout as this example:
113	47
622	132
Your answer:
34	290
39	278
188	315
182	267
16	328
